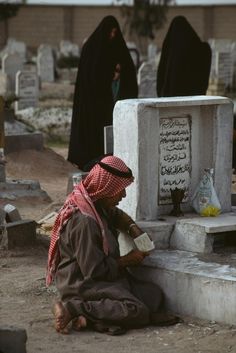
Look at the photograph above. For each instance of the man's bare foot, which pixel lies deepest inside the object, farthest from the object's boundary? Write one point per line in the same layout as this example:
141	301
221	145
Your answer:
62	318
79	323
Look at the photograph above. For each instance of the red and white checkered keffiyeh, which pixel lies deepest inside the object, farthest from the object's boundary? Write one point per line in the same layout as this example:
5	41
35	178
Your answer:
98	184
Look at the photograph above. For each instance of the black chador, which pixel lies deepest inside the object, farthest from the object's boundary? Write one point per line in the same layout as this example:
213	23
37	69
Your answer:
185	62
94	99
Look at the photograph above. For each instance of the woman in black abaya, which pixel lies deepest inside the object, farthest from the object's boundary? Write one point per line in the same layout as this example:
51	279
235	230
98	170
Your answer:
185	62
102	53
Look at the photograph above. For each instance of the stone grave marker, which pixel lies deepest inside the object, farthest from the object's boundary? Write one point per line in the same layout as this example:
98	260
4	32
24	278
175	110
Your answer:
27	89
147	75
223	61
14	46
152	51
220	44
11	64
4	83
225	67
68	49
168	142
45	63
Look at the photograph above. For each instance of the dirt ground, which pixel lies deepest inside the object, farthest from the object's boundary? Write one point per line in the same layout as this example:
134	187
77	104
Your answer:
26	302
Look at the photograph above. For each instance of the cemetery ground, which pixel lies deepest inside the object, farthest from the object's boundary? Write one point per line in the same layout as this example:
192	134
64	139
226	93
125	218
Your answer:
26	302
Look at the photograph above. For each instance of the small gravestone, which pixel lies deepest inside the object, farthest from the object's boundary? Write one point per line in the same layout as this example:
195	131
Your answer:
4	84
223	61
45	63
152	51
11	64
12	213
224	67
147	74
27	89
68	49
14	46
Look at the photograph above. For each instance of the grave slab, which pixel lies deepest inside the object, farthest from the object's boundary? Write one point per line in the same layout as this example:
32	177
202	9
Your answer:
197	234
24	141
16	189
12	339
20	234
193	286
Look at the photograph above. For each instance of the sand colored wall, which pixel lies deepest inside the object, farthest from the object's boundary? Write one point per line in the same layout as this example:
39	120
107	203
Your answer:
50	24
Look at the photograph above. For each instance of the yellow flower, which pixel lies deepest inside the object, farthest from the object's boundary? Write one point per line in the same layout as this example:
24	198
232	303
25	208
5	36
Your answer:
210	211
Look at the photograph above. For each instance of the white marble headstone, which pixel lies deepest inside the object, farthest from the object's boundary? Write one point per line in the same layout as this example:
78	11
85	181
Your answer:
27	89
223	60
168	142
67	48
11	64
147	77
45	63
152	51
225	67
14	46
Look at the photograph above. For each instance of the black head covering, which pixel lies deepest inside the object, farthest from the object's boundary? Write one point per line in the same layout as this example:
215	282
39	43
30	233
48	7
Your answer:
185	62
93	99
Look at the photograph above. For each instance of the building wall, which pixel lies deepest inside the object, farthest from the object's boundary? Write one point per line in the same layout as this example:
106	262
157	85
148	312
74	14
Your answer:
49	24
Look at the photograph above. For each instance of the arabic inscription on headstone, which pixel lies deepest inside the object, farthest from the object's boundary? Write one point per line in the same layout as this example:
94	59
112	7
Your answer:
175	157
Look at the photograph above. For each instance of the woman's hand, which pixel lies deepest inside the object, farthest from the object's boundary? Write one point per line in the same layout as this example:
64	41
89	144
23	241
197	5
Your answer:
133	258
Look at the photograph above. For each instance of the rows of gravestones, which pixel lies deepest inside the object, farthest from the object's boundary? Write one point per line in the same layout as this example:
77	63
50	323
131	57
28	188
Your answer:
22	74
223	66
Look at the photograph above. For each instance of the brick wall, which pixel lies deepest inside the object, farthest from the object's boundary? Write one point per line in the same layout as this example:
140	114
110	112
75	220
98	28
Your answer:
49	24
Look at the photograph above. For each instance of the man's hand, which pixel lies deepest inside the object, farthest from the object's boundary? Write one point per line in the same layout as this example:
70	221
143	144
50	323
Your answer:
133	258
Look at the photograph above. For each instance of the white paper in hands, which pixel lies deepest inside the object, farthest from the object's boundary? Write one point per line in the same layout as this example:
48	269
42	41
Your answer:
144	243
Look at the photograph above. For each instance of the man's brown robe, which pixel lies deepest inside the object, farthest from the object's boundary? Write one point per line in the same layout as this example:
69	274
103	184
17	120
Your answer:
91	283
